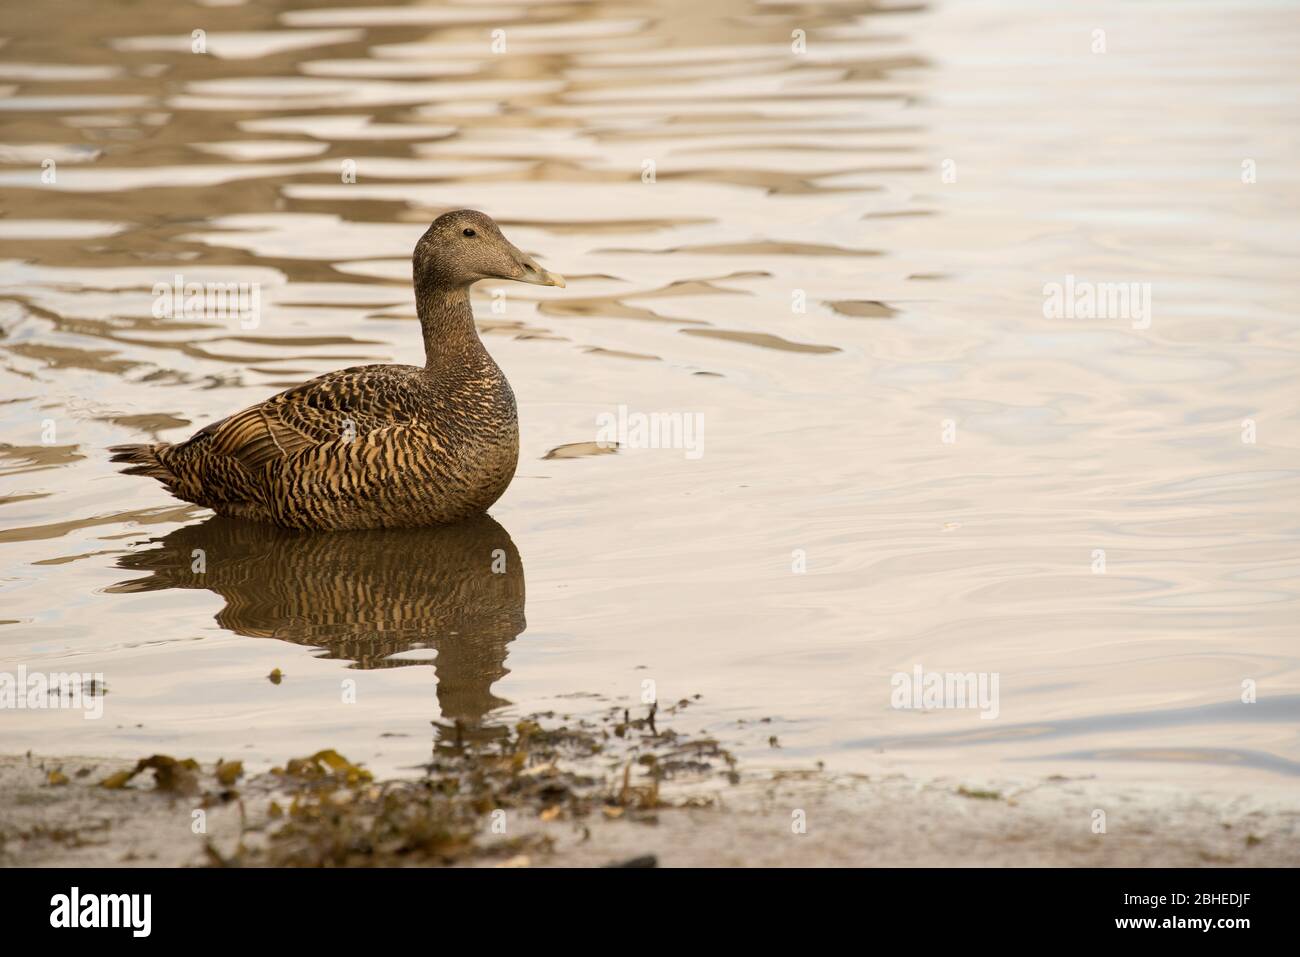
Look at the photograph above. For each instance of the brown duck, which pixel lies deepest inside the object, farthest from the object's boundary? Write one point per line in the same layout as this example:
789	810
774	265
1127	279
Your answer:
381	446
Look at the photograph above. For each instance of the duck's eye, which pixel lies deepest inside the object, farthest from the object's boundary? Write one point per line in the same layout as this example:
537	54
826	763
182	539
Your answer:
467	232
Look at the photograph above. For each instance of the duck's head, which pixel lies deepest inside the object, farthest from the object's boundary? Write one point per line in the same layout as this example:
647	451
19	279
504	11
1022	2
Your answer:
464	246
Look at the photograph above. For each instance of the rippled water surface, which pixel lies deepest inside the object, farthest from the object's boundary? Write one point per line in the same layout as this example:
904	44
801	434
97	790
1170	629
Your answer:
840	264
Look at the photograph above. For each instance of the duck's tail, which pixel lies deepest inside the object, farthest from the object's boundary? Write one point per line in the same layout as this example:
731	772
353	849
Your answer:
144	460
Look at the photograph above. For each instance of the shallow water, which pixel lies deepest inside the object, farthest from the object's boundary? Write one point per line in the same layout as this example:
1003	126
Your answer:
917	468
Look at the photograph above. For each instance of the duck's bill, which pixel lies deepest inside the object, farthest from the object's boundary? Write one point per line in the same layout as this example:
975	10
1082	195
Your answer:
530	272
540	277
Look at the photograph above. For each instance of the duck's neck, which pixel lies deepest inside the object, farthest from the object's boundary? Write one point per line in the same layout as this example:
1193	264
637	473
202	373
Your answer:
447	321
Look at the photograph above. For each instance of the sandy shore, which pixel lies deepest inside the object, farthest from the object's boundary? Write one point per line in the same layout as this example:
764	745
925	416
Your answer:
848	821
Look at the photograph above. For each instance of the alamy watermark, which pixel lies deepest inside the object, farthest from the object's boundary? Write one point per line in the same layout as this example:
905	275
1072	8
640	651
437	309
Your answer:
241	301
923	690
651	430
71	691
1080	299
133	912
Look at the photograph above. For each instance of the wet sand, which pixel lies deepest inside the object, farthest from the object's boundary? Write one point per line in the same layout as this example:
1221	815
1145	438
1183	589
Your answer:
851	821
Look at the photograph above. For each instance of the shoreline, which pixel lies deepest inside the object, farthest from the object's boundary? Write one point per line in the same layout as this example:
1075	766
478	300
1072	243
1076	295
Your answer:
847	819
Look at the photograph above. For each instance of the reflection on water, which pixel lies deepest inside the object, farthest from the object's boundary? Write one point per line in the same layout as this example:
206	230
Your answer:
367	597
833	251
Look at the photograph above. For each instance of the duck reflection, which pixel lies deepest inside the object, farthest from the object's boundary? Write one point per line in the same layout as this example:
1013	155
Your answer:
362	596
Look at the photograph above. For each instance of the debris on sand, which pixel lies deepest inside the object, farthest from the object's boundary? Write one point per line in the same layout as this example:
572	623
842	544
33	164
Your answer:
181	777
477	800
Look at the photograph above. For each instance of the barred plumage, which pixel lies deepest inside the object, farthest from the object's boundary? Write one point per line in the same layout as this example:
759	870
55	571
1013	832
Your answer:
373	446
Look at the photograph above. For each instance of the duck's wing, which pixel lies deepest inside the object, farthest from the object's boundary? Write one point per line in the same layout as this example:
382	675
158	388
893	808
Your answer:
342	405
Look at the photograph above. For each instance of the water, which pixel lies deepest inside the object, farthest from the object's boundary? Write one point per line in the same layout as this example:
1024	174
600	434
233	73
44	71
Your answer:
916	468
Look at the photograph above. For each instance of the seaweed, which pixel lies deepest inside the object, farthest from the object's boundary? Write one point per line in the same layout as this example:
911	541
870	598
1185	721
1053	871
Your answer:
170	774
331	813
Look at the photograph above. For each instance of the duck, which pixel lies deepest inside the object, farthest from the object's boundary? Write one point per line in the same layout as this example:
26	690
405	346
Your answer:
374	446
